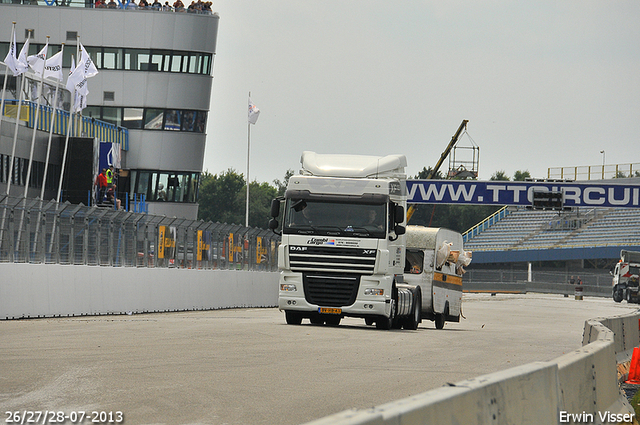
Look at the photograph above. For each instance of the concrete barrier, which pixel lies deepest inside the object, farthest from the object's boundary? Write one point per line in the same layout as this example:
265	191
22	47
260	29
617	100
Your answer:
48	290
578	387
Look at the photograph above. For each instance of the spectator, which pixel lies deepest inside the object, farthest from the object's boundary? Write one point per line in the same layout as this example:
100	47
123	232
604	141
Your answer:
131	5
111	195
143	4
112	4
156	5
178	6
101	183
100	4
167	7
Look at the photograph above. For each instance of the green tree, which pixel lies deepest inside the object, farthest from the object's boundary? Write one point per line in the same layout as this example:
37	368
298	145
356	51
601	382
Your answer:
499	176
221	198
281	186
260	196
520	176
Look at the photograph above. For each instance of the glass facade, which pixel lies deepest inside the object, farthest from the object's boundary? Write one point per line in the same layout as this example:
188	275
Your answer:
165	186
150	118
121	59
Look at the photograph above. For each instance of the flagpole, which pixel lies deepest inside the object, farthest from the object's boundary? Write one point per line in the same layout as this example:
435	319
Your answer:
6	76
4	91
66	141
35	122
53	117
15	134
246	221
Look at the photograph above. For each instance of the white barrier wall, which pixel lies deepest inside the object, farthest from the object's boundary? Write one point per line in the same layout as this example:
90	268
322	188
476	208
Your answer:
582	383
46	290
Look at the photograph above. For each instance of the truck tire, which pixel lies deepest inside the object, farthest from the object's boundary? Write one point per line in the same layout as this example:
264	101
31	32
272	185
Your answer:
617	294
386	323
369	321
292	317
413	320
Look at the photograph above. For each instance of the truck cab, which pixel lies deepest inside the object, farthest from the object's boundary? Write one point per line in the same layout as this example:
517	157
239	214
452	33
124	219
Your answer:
343	223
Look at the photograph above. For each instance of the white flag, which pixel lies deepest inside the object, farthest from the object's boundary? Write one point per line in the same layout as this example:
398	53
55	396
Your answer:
77	81
254	112
53	67
37	62
90	69
11	60
23	63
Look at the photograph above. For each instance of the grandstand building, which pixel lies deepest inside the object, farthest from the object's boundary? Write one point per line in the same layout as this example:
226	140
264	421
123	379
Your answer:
579	240
150	99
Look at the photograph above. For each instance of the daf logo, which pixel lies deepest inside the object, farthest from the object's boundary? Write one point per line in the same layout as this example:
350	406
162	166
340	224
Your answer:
297	248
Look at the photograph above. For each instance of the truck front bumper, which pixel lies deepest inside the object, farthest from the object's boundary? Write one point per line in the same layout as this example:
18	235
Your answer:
367	303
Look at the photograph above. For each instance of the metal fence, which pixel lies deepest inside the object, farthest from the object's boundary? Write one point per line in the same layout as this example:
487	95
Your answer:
598	278
36	231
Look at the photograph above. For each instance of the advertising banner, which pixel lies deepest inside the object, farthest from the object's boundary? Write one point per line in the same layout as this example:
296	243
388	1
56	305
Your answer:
474	192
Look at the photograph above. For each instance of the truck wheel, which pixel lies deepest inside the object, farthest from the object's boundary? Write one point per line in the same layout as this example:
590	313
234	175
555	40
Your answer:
413	321
369	321
617	294
386	323
292	317
439	320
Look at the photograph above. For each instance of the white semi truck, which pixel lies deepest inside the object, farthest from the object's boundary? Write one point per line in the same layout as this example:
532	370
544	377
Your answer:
626	276
344	247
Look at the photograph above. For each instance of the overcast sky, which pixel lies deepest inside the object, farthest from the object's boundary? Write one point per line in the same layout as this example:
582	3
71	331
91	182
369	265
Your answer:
542	83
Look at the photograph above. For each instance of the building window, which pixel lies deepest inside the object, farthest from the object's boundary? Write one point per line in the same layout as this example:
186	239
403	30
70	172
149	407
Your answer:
153	119
132	118
166	186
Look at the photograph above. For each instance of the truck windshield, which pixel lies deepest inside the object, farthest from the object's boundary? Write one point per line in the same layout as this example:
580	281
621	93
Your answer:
312	217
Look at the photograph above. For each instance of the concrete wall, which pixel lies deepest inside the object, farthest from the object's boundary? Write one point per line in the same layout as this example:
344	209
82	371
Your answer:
46	290
583	382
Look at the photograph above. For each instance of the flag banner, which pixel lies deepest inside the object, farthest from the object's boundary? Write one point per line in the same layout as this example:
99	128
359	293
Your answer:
11	59
254	112
90	69
23	63
53	67
37	62
77	81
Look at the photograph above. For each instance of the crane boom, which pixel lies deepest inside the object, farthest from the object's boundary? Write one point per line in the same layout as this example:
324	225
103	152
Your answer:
443	156
446	152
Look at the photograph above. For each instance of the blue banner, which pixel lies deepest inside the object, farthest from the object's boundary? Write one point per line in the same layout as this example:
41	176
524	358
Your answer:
473	192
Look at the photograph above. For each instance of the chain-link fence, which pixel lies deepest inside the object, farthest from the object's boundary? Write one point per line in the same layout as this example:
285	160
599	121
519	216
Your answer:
36	231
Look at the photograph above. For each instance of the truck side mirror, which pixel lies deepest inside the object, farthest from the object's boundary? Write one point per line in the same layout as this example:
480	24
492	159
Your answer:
399	214
273	224
400	230
275	209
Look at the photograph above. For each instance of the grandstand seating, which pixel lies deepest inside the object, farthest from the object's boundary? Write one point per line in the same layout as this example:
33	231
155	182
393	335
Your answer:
532	229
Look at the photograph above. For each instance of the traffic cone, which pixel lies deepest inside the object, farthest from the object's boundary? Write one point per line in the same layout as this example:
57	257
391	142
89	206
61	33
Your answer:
634	368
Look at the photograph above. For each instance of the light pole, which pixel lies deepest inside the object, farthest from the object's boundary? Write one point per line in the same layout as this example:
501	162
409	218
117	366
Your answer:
602	152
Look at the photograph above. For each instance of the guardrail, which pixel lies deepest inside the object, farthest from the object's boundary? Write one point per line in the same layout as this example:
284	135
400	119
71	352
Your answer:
578	387
84	127
485	224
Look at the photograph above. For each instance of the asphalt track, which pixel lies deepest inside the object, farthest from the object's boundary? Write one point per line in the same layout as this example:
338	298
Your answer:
246	366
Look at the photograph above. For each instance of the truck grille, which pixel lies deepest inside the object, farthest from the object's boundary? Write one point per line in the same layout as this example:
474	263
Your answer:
333	260
330	290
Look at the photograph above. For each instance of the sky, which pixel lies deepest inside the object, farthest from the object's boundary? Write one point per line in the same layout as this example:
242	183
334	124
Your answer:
542	83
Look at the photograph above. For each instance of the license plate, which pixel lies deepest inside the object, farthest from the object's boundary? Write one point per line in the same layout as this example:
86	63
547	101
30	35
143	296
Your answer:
329	310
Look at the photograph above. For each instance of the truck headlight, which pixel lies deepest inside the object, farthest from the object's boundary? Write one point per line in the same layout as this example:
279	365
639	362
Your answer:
373	291
288	287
